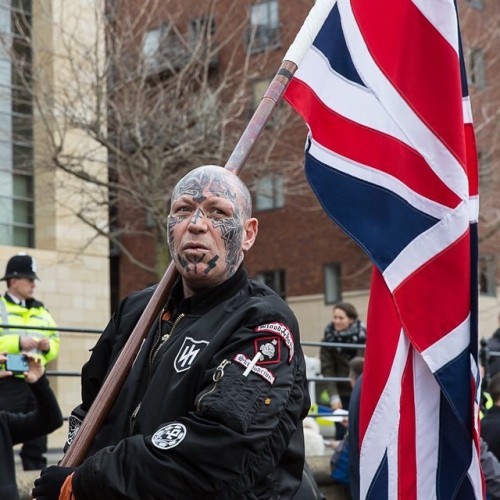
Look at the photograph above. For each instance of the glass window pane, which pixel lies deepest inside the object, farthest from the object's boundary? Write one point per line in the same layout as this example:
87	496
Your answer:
151	43
332	283
16	126
23	186
23	157
279	191
6	233
6	210
264	197
23	212
5	160
23	237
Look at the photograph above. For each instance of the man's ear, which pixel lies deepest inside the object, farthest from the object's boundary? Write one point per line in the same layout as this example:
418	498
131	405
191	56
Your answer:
250	230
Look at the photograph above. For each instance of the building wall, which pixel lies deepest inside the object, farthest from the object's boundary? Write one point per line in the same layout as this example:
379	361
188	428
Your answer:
72	264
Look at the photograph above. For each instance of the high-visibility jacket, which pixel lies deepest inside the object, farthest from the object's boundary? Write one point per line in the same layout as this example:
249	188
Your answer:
35	315
487	403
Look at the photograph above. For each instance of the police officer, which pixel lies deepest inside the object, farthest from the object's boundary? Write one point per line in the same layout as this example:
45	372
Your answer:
19	308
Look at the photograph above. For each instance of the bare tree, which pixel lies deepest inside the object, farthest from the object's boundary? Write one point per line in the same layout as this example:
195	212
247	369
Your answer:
155	98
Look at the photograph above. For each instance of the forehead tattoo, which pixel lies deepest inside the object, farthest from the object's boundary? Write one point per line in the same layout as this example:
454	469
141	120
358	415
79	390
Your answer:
195	183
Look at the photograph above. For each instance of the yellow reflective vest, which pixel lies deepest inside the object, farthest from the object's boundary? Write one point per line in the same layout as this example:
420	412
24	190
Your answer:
18	315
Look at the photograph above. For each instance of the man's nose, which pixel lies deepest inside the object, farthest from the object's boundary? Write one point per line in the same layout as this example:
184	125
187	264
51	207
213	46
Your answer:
198	221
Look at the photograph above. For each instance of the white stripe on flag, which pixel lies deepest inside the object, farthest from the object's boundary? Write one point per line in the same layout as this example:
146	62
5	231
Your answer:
427	398
448	347
427	245
385	416
377	178
441	14
346	98
440	159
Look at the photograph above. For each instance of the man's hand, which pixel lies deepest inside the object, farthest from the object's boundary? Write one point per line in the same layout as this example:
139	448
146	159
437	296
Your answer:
48	485
44	344
4	373
35	371
27	343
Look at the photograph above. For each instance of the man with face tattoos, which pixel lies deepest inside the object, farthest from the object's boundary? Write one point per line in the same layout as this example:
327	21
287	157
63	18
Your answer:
214	402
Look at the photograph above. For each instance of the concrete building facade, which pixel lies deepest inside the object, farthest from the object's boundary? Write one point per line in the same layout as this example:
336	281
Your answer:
73	265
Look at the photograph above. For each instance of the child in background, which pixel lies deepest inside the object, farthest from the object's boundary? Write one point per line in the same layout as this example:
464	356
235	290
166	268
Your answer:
18	427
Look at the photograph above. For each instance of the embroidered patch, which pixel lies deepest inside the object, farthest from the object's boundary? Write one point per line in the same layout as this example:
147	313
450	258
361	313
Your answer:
74	424
283	331
267	375
270	348
169	436
187	353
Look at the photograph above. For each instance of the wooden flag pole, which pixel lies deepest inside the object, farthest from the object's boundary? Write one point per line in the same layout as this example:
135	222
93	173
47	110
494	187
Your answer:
122	366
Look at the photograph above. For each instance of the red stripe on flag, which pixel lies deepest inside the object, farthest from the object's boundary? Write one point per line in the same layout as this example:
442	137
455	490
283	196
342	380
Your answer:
407	451
368	146
472	163
407	47
381	344
437	294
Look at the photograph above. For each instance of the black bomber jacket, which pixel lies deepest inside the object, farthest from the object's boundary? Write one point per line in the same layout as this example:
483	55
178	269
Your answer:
188	424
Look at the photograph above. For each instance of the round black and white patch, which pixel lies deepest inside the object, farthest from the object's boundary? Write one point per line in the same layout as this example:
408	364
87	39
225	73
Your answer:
169	436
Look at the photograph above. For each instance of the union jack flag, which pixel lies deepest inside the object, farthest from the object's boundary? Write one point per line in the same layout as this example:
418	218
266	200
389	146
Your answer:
391	156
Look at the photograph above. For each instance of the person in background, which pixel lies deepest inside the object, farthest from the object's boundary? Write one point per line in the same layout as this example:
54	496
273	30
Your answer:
345	328
19	308
18	427
493	344
490	423
213	405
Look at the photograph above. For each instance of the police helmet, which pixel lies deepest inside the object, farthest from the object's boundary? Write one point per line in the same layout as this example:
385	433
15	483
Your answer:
20	266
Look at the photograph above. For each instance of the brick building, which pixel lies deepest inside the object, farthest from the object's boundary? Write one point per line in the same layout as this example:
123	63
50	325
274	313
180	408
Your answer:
299	251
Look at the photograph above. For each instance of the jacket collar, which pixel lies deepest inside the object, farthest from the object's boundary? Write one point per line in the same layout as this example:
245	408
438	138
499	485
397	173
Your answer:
206	299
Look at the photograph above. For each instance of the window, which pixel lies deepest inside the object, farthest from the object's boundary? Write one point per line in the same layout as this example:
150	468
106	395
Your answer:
270	192
201	28
16	129
151	46
274	280
332	283
487	275
477	68
259	88
263	32
162	49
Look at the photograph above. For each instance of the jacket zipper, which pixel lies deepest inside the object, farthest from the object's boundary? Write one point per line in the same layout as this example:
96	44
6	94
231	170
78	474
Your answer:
216	377
153	355
133	417
162	340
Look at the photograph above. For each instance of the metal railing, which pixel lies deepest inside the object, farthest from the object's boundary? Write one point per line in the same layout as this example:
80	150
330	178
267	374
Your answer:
484	352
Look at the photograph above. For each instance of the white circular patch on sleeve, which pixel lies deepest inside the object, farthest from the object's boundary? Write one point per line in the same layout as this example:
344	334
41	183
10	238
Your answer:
169	436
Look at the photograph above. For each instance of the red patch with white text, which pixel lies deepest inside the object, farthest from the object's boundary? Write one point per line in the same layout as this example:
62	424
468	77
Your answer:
283	332
270	348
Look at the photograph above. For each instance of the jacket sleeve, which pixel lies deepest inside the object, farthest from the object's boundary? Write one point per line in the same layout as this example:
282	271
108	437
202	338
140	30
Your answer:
44	419
240	428
53	336
491	470
329	368
9	343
